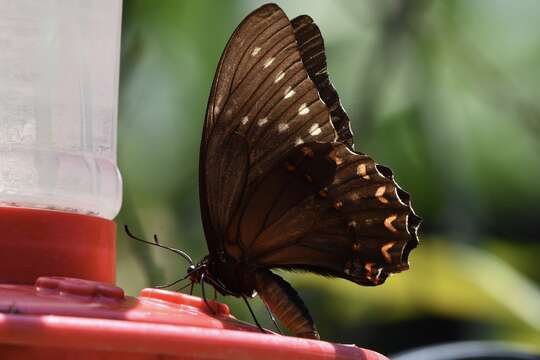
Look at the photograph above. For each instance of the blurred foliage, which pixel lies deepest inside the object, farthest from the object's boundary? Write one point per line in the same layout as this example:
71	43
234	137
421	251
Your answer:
444	92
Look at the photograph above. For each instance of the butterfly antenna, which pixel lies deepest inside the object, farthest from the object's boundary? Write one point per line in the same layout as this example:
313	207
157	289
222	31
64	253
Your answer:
178	251
158	244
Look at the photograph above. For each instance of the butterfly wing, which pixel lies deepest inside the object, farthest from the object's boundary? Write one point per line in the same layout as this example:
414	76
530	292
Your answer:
311	47
280	184
219	128
336	213
271	100
263	103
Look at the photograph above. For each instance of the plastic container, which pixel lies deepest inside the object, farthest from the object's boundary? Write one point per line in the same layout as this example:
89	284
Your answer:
59	64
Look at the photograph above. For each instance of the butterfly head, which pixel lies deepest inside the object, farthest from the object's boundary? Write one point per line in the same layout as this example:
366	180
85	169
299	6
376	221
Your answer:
195	272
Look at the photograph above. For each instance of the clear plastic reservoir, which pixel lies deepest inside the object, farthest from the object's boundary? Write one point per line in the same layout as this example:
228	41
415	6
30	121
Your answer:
59	64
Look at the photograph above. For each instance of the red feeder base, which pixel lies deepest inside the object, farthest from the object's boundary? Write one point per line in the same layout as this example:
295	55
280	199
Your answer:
64	318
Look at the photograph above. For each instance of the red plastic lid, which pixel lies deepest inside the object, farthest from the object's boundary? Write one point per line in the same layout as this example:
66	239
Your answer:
62	317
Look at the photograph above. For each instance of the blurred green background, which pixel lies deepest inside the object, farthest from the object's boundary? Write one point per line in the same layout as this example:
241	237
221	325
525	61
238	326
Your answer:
444	92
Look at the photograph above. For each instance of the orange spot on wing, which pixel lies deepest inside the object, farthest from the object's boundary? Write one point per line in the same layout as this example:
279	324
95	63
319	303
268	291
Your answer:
386	254
388	223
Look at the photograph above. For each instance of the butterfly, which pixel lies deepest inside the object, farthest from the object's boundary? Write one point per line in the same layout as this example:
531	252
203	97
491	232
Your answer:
281	187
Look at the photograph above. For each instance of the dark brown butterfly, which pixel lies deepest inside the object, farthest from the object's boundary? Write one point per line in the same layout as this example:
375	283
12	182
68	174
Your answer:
280	185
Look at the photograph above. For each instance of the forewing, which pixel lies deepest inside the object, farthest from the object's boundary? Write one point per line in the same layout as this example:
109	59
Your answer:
269	95
221	151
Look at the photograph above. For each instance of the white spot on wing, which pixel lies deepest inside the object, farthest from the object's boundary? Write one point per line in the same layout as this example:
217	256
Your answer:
217	105
279	76
315	130
361	171
282	127
269	62
288	92
262	121
303	109
255	51
298	141
245	120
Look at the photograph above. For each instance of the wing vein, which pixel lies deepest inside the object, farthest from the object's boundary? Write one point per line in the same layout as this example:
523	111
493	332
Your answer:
232	91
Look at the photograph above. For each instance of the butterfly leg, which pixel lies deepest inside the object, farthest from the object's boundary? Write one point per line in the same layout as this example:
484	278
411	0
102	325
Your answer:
253	315
204	296
273	318
183	287
171	284
191	288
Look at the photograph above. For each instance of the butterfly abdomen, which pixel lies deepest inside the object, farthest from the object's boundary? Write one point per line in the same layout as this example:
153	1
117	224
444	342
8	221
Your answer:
285	304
